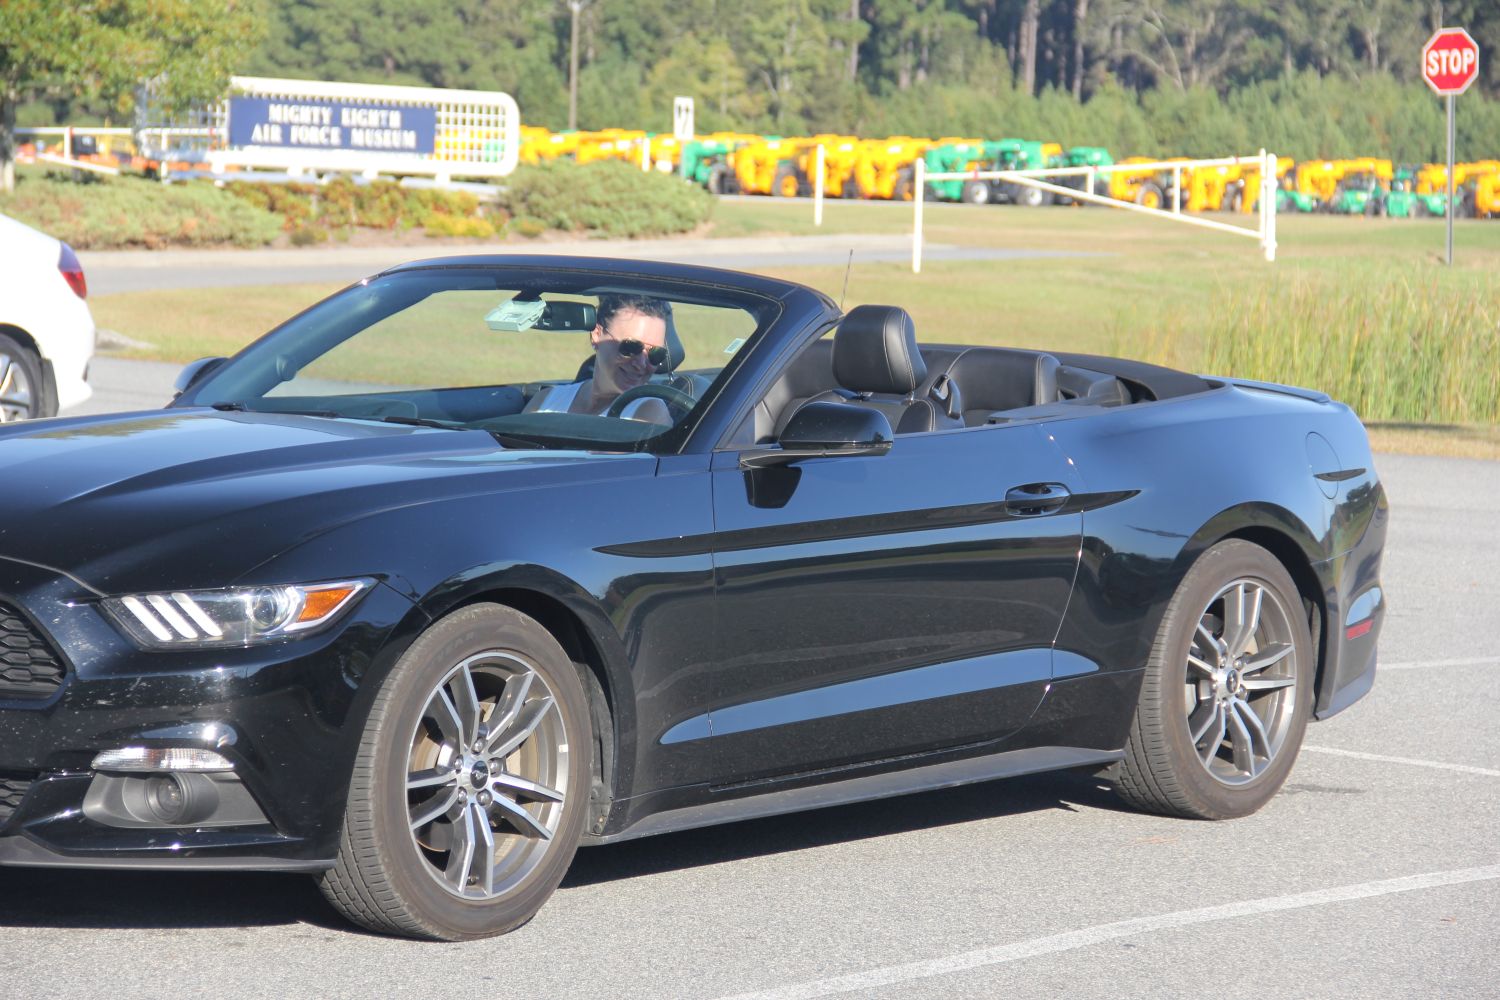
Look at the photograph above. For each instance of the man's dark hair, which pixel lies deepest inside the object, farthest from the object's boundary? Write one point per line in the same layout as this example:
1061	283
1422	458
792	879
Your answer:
612	305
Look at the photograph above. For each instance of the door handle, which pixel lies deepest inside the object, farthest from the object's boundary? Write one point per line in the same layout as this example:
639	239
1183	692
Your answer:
1036	498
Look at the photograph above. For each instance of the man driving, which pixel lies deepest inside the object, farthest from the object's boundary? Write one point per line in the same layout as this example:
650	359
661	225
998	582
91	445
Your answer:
630	344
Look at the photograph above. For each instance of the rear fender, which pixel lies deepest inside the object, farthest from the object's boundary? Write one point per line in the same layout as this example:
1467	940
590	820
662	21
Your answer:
1296	547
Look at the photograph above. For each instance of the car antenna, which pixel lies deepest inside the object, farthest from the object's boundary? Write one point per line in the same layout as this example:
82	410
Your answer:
847	268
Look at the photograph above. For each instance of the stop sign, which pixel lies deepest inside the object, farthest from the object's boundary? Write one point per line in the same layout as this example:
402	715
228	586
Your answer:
1450	61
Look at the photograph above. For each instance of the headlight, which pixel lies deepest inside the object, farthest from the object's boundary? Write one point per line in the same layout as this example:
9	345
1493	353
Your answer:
238	617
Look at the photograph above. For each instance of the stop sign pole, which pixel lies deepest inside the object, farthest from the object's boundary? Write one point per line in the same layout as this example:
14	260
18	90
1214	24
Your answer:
1450	63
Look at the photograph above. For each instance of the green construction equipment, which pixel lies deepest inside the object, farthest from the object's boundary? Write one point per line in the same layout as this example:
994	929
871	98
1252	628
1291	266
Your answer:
1292	200
1084	156
1012	154
706	161
952	157
1358	193
1401	199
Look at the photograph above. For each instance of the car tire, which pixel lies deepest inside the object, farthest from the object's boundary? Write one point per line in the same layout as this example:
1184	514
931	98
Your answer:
1222	708
422	809
976	193
21	386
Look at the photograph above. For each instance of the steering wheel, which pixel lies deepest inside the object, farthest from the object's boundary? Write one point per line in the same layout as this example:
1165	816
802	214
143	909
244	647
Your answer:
678	402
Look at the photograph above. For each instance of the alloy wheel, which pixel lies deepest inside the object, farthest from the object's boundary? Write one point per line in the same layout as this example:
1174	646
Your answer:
17	394
486	775
1240	691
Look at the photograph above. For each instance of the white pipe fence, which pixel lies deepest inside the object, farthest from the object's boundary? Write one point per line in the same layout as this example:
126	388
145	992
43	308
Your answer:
1264	231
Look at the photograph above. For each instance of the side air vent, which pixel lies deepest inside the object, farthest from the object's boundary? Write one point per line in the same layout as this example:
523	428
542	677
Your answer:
29	666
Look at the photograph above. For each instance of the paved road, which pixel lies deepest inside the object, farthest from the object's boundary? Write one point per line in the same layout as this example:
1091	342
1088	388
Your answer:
120	386
1374	874
112	271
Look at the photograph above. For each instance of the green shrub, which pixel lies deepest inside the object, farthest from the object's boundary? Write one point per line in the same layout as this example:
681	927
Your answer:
306	236
606	198
134	212
529	227
443	224
293	202
341	204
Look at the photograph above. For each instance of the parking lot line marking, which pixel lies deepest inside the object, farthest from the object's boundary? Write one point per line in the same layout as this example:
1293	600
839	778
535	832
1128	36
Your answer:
1476	661
1051	944
1439	765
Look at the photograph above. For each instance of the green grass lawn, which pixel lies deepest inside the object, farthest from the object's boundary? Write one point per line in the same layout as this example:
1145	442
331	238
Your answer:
1140	287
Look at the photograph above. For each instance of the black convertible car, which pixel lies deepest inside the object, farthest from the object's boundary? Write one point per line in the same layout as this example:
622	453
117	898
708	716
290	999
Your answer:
485	558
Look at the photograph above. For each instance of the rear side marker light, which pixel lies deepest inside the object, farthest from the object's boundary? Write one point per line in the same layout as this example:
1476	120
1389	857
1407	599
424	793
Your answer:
72	271
1355	631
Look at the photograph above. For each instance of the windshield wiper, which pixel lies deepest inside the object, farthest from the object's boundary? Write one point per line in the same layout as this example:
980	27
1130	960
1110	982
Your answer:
509	440
447	425
225	407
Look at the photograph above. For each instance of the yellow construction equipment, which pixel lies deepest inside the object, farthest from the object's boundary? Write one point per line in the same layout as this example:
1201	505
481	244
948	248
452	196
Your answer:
1137	185
1245	196
1317	178
884	168
1487	195
839	155
539	145
1149	187
610	144
767	166
665	152
1206	187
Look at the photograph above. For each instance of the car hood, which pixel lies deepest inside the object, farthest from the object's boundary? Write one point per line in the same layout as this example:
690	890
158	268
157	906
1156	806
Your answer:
111	500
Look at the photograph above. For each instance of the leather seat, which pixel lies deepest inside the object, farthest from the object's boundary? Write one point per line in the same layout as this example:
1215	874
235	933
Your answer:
877	364
1001	379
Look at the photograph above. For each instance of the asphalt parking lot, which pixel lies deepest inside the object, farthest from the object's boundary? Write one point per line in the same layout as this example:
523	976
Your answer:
1374	874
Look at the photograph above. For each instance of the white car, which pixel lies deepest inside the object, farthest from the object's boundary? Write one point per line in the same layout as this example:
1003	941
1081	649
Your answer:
46	330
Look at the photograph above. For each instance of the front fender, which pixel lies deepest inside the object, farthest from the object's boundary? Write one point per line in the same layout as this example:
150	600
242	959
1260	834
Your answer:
642	614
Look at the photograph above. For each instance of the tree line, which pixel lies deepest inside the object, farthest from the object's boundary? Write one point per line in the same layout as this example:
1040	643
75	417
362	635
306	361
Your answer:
1305	78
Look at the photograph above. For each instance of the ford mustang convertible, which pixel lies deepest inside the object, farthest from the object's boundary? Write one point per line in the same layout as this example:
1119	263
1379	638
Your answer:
486	558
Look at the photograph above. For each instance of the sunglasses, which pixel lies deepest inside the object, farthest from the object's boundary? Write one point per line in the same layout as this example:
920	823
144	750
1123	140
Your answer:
631	348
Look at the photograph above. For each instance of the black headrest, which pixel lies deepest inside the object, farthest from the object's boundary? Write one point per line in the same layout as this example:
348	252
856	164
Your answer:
675	353
875	350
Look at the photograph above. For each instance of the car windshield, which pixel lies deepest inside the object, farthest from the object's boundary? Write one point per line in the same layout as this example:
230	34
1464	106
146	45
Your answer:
538	358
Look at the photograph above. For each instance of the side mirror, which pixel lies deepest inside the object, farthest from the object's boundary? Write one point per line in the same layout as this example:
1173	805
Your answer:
826	430
194	371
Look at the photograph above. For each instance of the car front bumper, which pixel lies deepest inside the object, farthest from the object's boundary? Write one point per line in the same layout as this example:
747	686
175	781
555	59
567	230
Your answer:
288	716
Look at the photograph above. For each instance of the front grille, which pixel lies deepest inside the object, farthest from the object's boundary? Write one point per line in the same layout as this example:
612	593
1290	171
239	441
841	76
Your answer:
12	791
29	666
